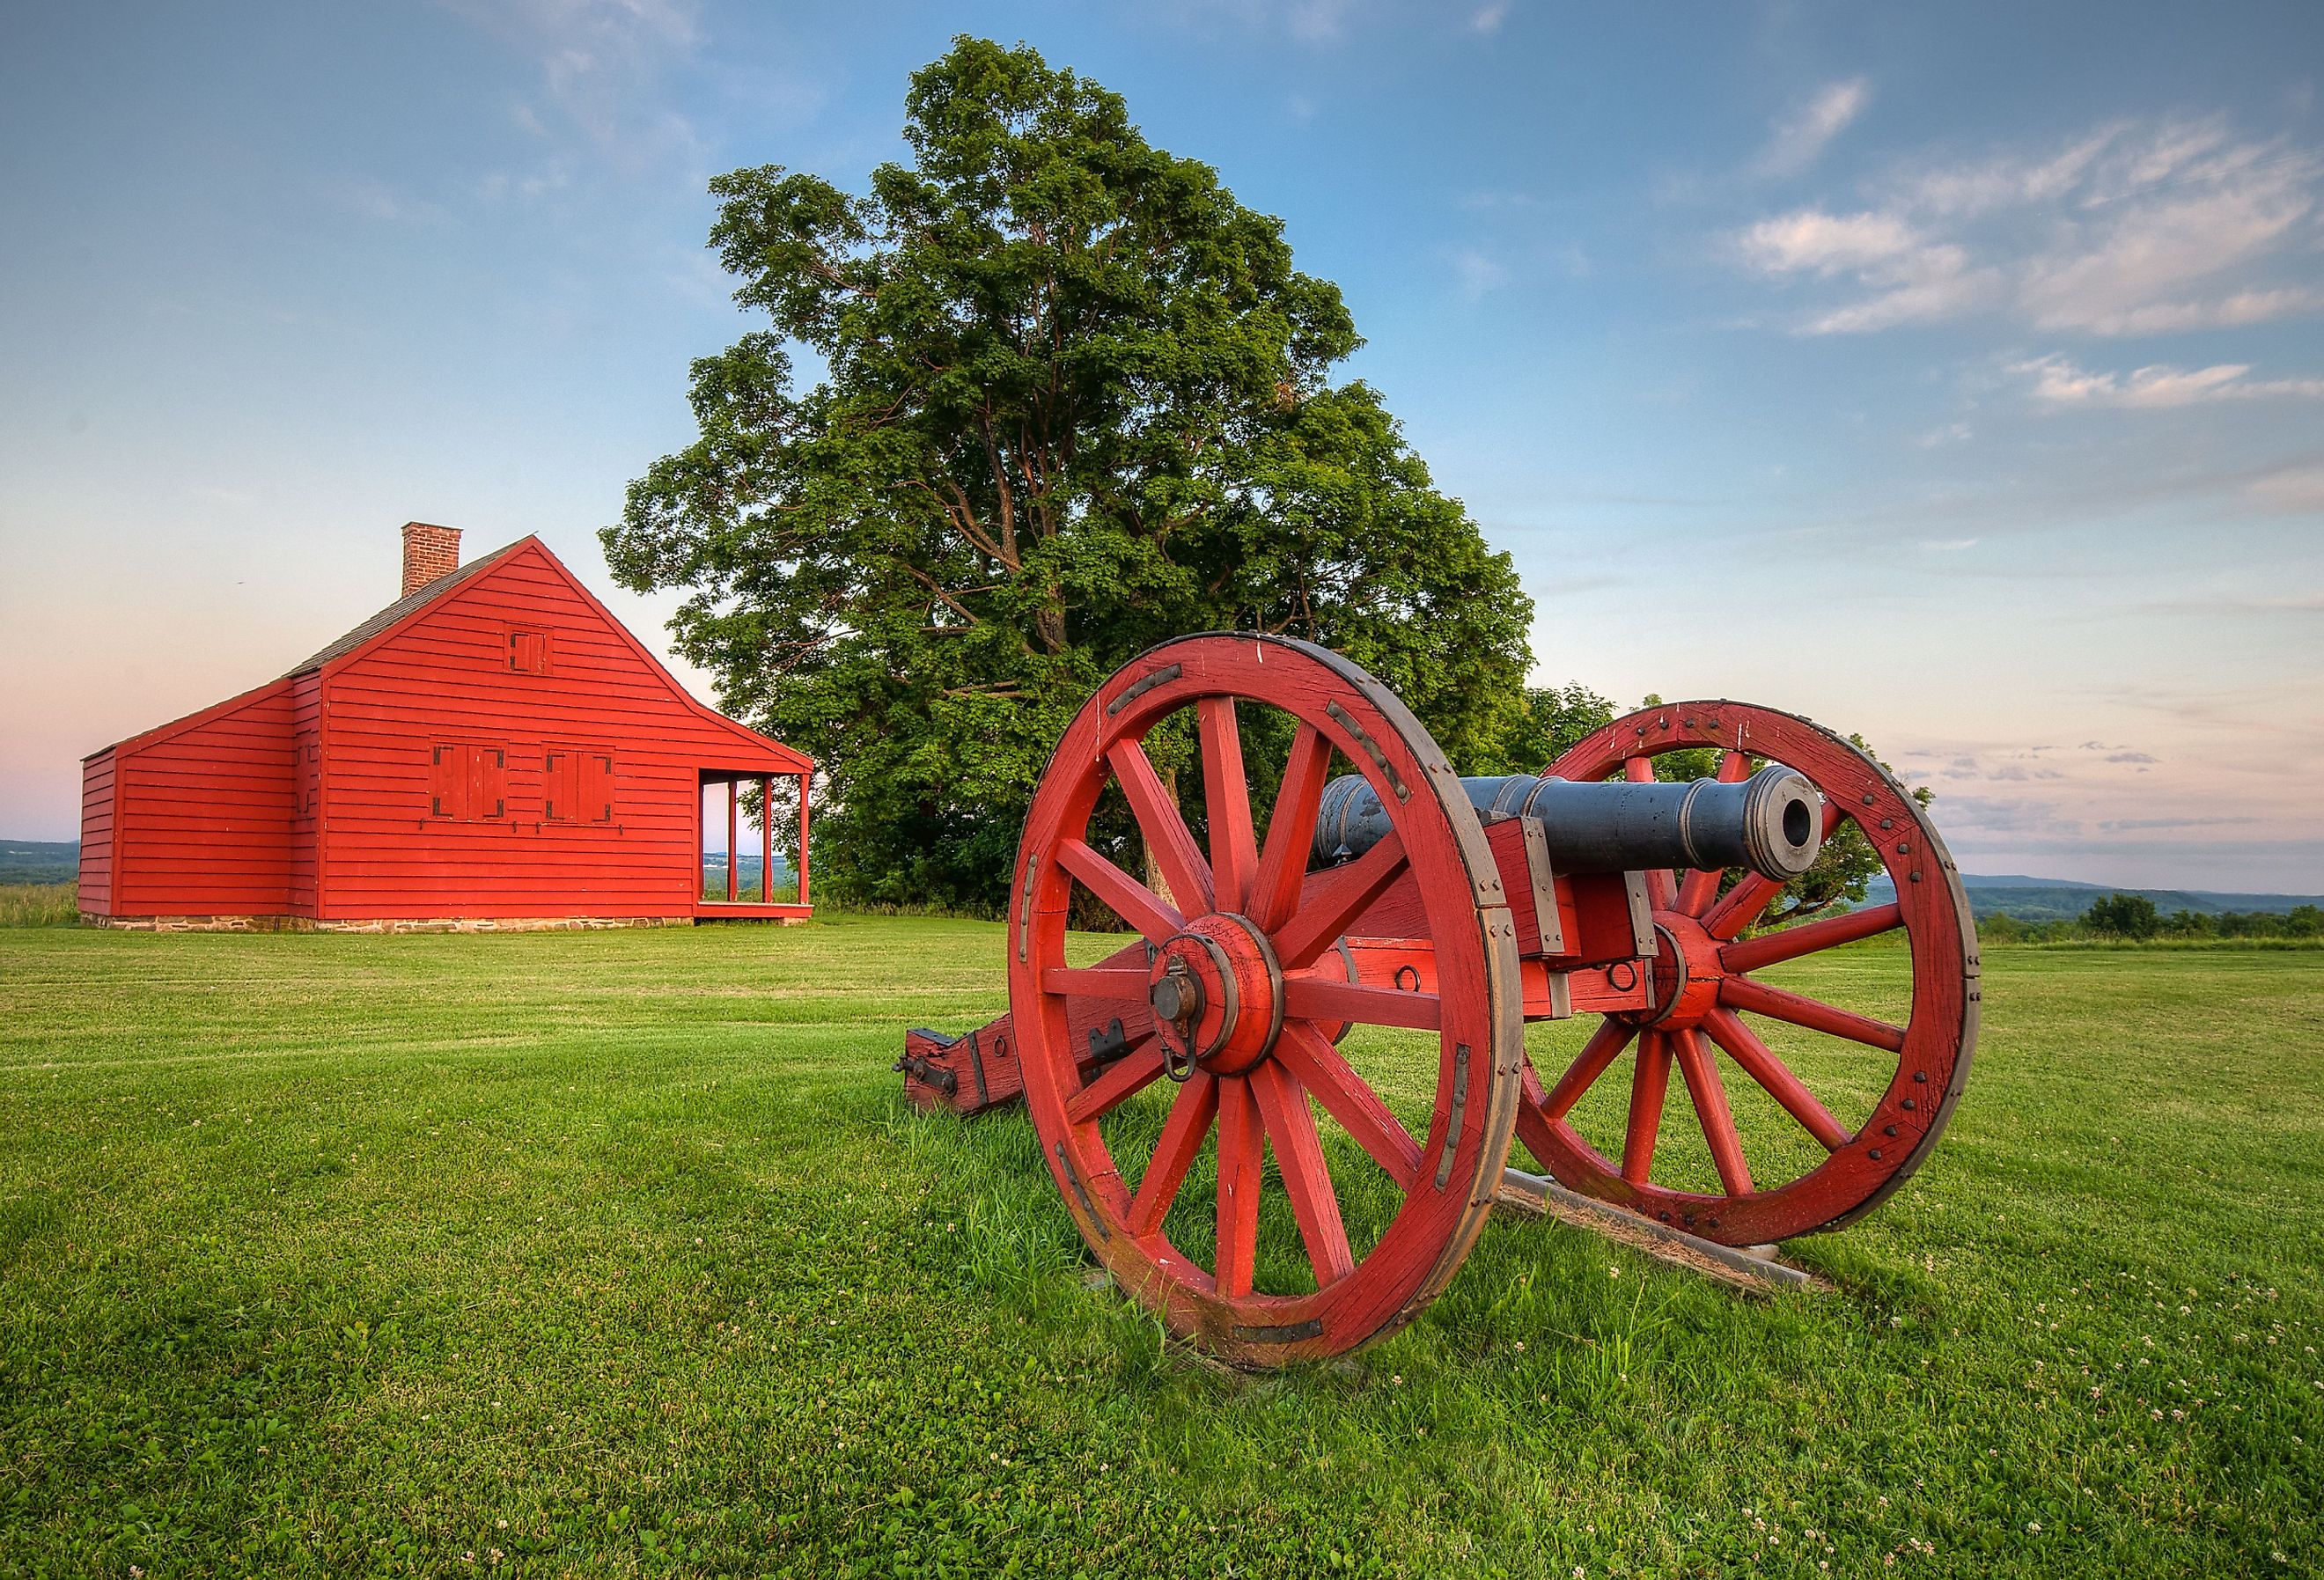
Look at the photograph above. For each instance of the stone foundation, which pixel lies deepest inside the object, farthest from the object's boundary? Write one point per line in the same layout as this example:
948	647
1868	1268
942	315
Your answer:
307	924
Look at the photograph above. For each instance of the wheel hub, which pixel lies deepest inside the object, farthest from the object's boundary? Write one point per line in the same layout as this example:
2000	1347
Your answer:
1217	993
1686	973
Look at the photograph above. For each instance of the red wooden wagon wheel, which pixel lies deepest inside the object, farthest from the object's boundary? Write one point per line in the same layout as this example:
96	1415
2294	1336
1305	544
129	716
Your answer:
1707	975
1238	992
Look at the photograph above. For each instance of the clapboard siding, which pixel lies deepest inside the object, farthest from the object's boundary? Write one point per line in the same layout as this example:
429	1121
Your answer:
313	797
97	826
307	776
204	813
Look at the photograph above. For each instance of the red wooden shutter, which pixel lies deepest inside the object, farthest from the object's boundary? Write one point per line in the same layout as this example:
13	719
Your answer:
443	775
527	651
556	795
492	781
594	800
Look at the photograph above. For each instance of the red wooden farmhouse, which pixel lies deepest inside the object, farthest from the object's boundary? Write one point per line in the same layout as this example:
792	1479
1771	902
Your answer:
493	750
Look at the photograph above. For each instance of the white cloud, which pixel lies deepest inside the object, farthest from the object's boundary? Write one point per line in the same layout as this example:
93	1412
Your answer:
375	200
2133	229
2006	815
1800	138
1477	272
2058	381
1914	278
1826	244
1488	19
2296	491
601	64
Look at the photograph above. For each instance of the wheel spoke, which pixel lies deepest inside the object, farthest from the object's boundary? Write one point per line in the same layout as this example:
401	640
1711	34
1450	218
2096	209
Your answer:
1772	948
1338	898
1299	1156
1291	829
1346	1098
1166	833
1329	999
1648	1085
1702	886
1196	1105
1097	982
1226	797
1698	889
1741	993
1759	1062
1241	1162
1610	1040
1703	1086
1662	890
1128	898
1120	1081
1741	906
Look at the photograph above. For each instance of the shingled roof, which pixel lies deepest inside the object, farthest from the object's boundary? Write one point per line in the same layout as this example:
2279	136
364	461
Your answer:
396	611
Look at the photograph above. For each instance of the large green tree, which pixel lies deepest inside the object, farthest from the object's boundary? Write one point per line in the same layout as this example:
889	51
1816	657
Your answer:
1072	399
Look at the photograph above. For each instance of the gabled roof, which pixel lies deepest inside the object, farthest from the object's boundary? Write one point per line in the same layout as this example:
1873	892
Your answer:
410	604
380	626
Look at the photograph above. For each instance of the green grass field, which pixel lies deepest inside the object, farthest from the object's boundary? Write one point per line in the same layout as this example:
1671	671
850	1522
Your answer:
618	1253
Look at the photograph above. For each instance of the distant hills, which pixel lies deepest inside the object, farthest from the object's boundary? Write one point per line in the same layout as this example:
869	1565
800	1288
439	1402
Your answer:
2063	900
39	861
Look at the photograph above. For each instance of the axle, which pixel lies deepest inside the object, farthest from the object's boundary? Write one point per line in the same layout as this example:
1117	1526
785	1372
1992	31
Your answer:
1771	823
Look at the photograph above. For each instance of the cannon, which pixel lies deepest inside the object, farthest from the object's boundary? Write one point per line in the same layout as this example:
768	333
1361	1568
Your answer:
1338	976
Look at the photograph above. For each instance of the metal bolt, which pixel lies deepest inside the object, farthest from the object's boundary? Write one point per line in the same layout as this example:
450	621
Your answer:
1910	1104
1876	1154
1887	1130
1921	1075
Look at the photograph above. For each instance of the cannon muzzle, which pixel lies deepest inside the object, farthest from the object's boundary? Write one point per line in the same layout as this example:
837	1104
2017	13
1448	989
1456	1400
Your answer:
1771	823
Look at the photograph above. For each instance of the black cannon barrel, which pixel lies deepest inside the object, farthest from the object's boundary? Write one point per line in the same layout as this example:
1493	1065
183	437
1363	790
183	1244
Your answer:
1771	822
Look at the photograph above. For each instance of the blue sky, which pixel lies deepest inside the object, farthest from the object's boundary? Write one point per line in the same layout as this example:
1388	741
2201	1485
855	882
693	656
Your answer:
1953	374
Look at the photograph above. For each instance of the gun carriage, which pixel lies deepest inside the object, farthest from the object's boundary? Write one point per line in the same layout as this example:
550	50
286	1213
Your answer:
1400	896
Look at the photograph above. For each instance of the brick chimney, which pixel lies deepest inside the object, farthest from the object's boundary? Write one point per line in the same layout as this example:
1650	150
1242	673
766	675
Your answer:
429	551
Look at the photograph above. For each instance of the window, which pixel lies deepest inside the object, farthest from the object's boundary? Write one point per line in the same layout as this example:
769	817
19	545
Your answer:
577	786
527	651
467	782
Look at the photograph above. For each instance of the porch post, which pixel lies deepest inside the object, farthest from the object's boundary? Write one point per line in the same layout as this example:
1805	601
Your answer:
802	860
734	815
766	839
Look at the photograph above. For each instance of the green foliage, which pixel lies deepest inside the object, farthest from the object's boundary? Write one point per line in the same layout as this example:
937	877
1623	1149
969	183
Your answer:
1075	399
1551	719
2303	927
2123	916
618	1253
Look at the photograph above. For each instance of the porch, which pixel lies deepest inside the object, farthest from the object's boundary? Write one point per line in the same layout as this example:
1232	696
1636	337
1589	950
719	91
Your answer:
753	844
